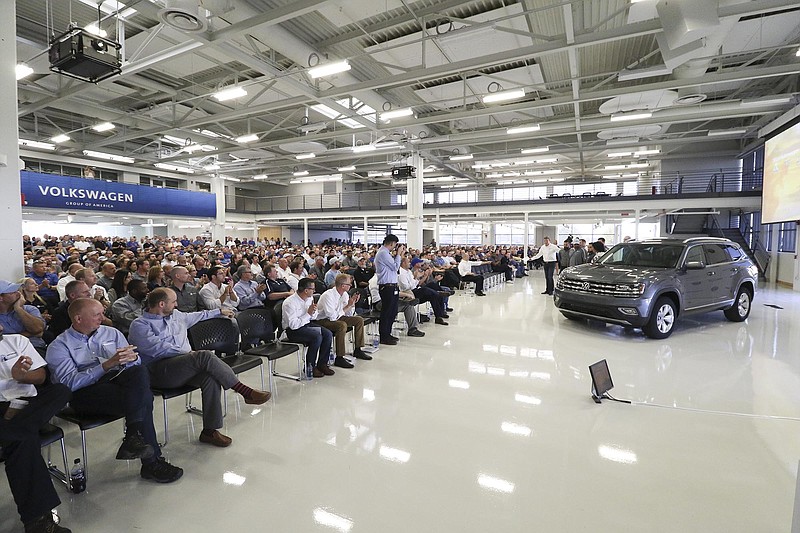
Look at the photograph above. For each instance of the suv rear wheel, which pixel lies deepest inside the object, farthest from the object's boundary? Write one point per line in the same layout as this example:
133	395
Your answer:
740	309
662	319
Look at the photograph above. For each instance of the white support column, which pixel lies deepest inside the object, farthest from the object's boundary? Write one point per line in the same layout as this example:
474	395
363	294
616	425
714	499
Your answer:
527	238
10	205
772	276
148	230
436	230
636	227
366	232
218	227
305	231
414	202
796	282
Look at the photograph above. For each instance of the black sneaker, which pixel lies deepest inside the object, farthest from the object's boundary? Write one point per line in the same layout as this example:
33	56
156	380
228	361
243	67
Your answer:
134	447
414	332
45	524
161	471
358	354
341	362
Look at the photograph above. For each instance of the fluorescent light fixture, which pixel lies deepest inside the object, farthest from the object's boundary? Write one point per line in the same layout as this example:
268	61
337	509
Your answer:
546	160
769	100
516	429
260	177
524	398
191	226
397	113
719	133
211	168
611	176
363	148
523	129
639	73
539	172
229	178
108	157
458	384
495	175
620	154
624	167
23	71
623	117
149	225
176	168
395	455
495	484
103	126
503	96
191	148
465	157
318	179
250	137
37	144
797	54
94	29
61	138
329	69
482	165
646	152
229	478
305	156
300	173
328	519
535	150
230	93
618	455
347	169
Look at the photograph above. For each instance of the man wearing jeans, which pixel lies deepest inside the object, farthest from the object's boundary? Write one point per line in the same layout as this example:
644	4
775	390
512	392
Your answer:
298	311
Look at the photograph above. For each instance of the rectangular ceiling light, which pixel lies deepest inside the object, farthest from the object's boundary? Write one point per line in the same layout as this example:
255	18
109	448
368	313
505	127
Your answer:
329	69
103	126
260	177
503	96
640	73
719	133
229	178
23	71
61	138
305	156
465	157
620	154
230	93
300	173
623	117
363	148
535	150
37	144
769	100
346	169
523	129
250	137
397	113
646	152
108	157
211	168
176	168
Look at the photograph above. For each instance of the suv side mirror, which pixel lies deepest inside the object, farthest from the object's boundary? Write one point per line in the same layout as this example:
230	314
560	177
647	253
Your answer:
695	265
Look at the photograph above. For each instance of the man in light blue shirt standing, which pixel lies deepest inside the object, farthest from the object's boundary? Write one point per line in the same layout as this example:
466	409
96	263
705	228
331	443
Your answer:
160	335
386	267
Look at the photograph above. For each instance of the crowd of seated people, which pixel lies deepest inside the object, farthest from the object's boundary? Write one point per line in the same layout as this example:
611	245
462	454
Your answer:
108	318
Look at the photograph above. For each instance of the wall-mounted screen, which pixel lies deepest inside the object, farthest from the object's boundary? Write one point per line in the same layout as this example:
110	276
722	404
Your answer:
780	201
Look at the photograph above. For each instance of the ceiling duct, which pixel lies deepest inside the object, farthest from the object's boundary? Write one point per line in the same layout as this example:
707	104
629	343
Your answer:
690	96
183	15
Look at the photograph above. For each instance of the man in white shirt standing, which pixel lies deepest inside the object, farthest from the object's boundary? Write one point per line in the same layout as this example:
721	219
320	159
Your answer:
216	294
549	254
297	312
336	312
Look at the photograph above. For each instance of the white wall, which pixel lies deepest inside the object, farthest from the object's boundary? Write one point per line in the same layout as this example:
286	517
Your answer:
37	228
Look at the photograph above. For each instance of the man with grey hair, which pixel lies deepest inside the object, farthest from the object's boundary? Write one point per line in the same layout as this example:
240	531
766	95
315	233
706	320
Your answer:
251	294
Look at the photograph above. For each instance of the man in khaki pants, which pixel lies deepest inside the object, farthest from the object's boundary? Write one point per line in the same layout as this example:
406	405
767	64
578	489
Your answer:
336	310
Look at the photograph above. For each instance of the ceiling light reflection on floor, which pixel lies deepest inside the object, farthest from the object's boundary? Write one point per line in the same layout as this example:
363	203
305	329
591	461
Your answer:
231	478
618	455
530	400
393	454
326	518
495	484
458	384
515	429
368	395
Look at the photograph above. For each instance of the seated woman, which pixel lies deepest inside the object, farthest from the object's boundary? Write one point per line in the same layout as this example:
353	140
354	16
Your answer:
155	277
28	289
119	287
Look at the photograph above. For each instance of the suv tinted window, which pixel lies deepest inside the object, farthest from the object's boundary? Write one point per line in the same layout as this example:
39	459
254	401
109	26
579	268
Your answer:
715	253
643	255
696	254
733	252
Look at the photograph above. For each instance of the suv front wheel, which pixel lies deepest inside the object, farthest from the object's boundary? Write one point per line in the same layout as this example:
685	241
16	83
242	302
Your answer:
740	309
662	319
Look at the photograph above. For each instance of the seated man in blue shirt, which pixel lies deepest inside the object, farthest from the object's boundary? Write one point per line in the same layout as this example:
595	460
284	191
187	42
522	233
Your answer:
46	281
160	335
106	378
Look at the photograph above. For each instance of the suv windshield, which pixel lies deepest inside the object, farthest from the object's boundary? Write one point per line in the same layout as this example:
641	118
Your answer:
652	255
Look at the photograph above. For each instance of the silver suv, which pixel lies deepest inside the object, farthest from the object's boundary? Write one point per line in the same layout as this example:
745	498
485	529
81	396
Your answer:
648	284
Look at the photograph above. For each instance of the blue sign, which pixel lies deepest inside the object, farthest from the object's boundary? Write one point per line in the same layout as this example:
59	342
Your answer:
64	192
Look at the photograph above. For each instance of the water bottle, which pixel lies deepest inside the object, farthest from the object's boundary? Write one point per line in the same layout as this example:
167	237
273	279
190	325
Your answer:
331	358
375	342
77	478
430	311
309	372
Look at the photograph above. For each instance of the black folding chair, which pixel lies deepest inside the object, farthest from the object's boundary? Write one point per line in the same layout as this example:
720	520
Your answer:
258	338
85	423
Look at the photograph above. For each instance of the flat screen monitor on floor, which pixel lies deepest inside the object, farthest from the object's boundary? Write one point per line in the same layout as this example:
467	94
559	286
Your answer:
601	379
781	196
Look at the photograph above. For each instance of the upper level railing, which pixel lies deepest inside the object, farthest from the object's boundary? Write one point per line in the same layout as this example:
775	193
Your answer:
707	182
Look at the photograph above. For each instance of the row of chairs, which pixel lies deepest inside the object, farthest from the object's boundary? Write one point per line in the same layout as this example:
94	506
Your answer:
490	278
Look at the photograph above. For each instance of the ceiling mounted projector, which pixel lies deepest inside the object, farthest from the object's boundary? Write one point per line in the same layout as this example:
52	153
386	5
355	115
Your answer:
84	56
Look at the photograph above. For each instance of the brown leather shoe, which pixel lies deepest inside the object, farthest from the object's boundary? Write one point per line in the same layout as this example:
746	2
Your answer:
328	371
317	373
257	397
216	438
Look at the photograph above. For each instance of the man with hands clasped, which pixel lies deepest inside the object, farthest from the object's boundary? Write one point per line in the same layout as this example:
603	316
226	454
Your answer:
297	313
336	312
106	377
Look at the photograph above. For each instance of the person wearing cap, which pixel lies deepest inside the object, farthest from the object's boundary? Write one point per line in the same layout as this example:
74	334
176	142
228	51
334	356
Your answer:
23	410
330	275
336	311
17	317
106	377
411	281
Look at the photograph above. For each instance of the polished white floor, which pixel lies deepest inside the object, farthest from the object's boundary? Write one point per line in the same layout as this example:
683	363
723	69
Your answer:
487	425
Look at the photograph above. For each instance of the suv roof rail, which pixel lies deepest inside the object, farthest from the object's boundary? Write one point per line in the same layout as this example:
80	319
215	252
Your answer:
705	239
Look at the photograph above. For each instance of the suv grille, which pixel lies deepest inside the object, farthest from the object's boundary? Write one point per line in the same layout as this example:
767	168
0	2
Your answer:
605	289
